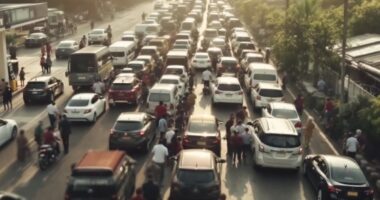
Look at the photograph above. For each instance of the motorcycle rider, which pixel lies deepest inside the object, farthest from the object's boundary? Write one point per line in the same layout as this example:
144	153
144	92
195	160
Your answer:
206	77
50	139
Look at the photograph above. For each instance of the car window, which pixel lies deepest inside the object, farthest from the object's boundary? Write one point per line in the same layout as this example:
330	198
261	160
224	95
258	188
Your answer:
170	81
78	102
284	113
156	97
135	67
2	123
195	176
121	86
265	77
271	93
322	166
94	99
118	54
202	127
174	71
36	85
348	175
85	187
229	87
281	141
128	125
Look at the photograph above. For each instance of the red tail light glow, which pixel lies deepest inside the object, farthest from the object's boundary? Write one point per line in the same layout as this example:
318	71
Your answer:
142	133
369	192
333	189
298	125
87	111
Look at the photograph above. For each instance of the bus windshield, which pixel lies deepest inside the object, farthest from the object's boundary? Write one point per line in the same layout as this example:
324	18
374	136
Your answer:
83	63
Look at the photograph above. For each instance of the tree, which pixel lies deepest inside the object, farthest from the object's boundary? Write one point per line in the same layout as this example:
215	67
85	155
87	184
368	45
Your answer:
365	18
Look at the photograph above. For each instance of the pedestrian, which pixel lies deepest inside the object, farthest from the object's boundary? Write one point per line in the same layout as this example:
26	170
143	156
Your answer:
48	49
328	109
321	85
98	87
299	104
230	122
48	64
190	101
242	114
180	120
160	111
143	15
22	146
191	79
362	139
49	138
22	76
92	24
284	81
162	126
38	133
176	145
65	130
169	137
240	127
351	145
138	195
42	63
7	98
3	85
247	140
43	50
308	131
236	144
150	190
160	153
53	112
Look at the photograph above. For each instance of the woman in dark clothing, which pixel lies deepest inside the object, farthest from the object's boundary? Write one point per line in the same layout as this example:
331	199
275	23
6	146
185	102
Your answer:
22	146
7	98
22	76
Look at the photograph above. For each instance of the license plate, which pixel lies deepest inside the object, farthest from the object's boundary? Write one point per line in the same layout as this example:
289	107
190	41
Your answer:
229	95
34	92
280	154
75	111
201	143
82	78
352	194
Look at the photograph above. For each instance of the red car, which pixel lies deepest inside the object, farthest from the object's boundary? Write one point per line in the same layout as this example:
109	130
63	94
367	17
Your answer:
124	89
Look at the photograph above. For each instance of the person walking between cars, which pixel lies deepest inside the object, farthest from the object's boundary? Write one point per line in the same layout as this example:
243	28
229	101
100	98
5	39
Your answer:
65	130
98	87
48	64
49	49
247	140
160	111
242	114
228	126
52	111
160	154
236	144
351	145
162	126
308	131
190	101
299	104
42	63
22	76
22	146
7	98
38	133
150	190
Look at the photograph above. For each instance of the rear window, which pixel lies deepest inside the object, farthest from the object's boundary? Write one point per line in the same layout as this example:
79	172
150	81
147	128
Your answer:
121	86
156	43
286	114
118	54
91	187
36	85
229	87
271	93
78	102
147	52
195	176
157	97
243	39
211	33
176	61
201	127
201	56
247	46
255	59
174	71
348	176
169	81
281	141
265	77
127	126
135	67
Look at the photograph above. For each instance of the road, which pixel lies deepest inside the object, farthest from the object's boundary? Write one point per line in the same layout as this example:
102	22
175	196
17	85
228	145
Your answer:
238	182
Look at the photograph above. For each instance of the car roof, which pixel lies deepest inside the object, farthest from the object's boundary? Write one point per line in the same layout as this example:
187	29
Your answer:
278	126
131	116
41	34
282	105
218	39
211	49
140	62
335	162
85	96
67	42
170	76
100	160
98	29
40	79
228	80
201	53
252	54
124	79
160	86
200	159
144	57
202	118
258	65
211	29
273	86
176	53
149	47
176	67
228	58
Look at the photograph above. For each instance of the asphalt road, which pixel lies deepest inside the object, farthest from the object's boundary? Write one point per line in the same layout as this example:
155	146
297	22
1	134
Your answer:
239	181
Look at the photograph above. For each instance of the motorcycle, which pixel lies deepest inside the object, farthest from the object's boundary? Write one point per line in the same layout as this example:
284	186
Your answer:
206	89
47	155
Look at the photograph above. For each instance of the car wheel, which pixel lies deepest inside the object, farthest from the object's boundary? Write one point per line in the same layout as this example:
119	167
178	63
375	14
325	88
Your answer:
104	107
321	195
14	133
304	169
94	118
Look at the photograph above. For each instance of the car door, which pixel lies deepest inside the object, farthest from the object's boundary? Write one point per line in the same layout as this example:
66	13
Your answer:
3	132
52	85
148	128
318	171
95	104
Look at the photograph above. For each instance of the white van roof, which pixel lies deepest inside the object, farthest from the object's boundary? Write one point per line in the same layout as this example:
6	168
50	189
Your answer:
278	126
257	66
121	44
162	87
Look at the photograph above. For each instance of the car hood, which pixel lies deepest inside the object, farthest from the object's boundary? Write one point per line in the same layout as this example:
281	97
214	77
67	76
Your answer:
11	121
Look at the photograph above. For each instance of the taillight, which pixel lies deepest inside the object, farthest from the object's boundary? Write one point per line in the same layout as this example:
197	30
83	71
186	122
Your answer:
218	92
298	152
258	97
186	139
142	133
87	111
333	189
298	125
368	192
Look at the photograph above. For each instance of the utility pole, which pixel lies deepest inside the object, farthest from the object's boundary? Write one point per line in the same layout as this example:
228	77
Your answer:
344	45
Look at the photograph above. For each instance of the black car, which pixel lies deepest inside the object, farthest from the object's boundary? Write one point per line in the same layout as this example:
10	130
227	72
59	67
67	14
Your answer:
36	40
202	132
43	88
132	130
66	48
336	178
196	175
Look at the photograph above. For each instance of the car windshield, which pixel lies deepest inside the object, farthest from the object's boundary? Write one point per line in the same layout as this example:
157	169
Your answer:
201	57
271	93
156	43
157	97
243	39
128	38
174	71
128	125
202	127
85	187
229	87
35	36
280	141
169	81
118	54
121	86
135	67
36	85
229	63
97	32
147	52
247	46
265	77
348	175
211	33
255	59
284	113
195	176
64	45
78	102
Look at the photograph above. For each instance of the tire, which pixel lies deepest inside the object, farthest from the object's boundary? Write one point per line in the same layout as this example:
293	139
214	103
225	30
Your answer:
320	194
94	118
14	133
43	164
304	170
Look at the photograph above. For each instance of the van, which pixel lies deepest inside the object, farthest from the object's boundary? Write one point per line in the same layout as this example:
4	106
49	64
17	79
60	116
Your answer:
188	25
122	52
276	143
162	45
177	58
167	93
102	175
260	72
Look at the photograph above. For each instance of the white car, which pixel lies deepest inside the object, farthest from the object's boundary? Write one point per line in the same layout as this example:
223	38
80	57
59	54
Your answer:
201	60
265	93
227	90
218	42
175	80
129	37
85	107
179	70
126	70
97	36
8	130
285	111
215	24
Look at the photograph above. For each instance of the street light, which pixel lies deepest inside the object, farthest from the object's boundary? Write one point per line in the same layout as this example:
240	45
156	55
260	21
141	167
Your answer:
344	45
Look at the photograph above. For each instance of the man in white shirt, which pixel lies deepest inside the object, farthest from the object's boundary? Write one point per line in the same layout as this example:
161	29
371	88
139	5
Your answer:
162	126
351	146
169	136
239	127
98	87
52	111
160	153
206	77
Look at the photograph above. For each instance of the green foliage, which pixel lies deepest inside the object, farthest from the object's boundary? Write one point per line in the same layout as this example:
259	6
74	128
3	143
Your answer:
370	121
365	18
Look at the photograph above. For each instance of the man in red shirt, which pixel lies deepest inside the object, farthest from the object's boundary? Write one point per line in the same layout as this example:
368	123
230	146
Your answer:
160	111
329	108
50	139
